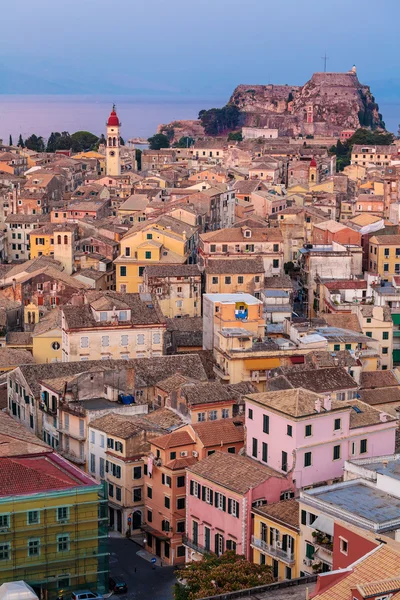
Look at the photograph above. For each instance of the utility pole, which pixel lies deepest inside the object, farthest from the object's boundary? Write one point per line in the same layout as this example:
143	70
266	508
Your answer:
325	59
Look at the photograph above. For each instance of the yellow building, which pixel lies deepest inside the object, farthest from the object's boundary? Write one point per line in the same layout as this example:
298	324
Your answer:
53	519
176	287
229	276
163	241
384	256
276	538
47	338
56	240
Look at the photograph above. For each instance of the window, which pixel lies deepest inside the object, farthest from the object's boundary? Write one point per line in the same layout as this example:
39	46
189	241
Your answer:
386	267
62	513
228	280
140	271
180	481
250	413
63	543
34	547
385	350
140	339
289	430
363	446
105	340
264	452
288	573
118	495
386	252
275	263
308	431
180	527
101	467
284	461
165	526
255	449
307	459
213	248
232	450
149	236
309	550
5	553
180	503
201	416
213	414
149	516
336	452
157	338
149	492
276	247
92	463
180	551
337	424
214	280
220	501
344	545
347	346
369	320
137	494
84	342
124	340
102	441
166	480
148	254
368	333
385	335
122	271
33	517
240	279
225	413
172	455
262	559
336	347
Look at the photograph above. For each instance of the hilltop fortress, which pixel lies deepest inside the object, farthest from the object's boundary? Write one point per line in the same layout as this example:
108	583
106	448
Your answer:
325	105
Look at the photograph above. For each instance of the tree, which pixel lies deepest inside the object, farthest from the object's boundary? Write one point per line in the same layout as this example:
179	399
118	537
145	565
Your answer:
35	143
235	137
360	137
218	120
10	142
138	156
158	141
122	141
20	142
83	141
219	575
184	142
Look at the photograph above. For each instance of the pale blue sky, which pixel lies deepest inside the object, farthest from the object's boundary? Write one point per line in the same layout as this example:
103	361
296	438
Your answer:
188	48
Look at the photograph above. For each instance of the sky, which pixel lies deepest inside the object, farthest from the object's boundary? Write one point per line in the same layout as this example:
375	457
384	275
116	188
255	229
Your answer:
193	49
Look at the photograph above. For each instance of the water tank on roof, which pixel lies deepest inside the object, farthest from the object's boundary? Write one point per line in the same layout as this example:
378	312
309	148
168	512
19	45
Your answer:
127	399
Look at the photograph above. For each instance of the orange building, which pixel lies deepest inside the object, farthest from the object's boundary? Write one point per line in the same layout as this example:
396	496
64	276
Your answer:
332	231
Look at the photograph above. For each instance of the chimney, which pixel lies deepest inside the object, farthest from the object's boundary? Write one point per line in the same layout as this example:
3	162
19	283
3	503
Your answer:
318	405
327	402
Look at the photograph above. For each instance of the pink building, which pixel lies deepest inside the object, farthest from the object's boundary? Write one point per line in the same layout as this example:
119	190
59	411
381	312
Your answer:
311	436
220	493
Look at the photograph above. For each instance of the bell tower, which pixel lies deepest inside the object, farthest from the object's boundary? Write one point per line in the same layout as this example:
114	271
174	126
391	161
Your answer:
113	148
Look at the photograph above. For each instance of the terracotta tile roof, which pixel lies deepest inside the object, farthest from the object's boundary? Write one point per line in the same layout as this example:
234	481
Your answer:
235	234
344	284
123	426
16	440
386	240
181	463
376	588
224	431
317	380
378	565
206	393
324	358
173	440
343	322
173	383
294	402
32	475
365	415
286	511
378	379
280	282
378	396
165	418
13	357
234	472
172	271
232	266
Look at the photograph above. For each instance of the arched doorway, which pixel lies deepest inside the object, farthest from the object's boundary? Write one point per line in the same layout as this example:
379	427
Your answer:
136	519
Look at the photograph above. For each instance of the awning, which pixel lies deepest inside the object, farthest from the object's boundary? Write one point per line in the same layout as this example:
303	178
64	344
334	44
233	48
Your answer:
324	524
154	532
396	319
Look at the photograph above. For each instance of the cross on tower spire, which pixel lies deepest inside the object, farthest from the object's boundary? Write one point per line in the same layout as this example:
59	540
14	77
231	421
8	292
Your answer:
325	58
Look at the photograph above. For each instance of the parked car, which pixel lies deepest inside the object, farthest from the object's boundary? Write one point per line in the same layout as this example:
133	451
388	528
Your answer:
117	585
86	595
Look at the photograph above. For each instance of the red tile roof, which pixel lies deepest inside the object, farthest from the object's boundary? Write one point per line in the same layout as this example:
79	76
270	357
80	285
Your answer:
20	476
172	440
225	431
346	284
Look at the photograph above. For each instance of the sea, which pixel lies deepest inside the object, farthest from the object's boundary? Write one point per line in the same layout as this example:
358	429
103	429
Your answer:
140	117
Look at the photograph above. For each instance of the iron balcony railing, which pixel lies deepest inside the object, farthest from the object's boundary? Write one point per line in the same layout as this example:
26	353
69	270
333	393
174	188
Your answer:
274	551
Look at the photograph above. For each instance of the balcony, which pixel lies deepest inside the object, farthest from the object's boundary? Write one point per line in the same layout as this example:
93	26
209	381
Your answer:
72	457
274	551
81	437
220	371
194	545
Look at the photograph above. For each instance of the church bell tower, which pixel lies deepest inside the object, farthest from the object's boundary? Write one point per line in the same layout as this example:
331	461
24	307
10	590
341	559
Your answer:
113	148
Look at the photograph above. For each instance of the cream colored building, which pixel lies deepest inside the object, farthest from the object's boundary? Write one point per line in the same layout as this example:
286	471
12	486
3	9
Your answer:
376	323
112	326
113	148
176	287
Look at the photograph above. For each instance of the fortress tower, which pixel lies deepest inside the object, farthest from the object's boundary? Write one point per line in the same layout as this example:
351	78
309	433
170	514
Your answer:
113	149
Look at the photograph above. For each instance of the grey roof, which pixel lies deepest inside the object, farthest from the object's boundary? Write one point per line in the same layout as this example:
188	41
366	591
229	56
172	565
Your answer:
315	380
233	266
170	270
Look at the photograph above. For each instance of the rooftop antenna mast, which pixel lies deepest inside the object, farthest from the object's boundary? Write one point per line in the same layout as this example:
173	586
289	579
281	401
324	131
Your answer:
325	58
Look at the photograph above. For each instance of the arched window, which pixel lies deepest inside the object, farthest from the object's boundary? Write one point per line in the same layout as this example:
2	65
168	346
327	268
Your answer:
114	141
65	239
33	318
59	239
29	316
110	141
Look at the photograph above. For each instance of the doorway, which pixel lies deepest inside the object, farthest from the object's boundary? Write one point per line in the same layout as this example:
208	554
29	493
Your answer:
158	547
111	518
119	521
136	519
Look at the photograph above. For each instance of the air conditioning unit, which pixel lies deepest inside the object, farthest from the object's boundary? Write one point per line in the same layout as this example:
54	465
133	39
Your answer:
184	453
195	454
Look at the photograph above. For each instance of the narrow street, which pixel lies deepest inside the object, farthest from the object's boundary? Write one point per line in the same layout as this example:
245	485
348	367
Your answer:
143	581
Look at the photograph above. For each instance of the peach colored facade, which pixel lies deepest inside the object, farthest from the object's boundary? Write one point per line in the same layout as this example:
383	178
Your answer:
346	236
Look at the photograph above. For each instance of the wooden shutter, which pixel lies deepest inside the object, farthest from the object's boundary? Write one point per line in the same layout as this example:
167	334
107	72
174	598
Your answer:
229	509
191	487
203	493
224	503
216	499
